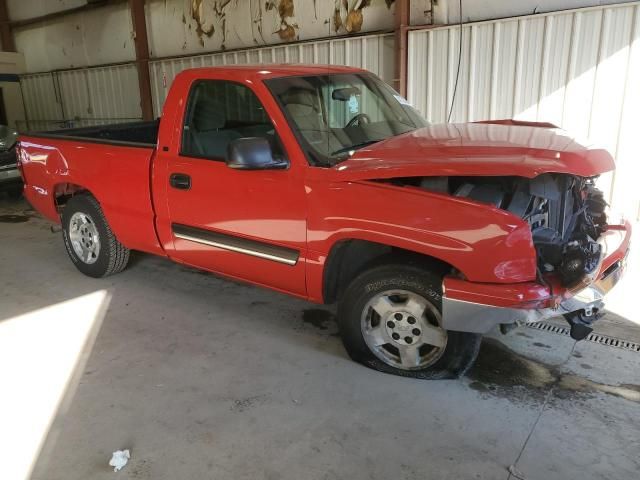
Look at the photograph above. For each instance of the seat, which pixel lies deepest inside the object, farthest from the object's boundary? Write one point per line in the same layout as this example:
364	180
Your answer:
210	139
303	107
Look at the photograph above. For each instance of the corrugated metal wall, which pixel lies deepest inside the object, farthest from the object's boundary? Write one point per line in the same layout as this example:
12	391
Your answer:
578	69
83	97
373	52
93	96
41	102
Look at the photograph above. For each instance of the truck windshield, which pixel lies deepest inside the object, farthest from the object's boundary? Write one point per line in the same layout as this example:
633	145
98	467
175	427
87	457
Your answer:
335	115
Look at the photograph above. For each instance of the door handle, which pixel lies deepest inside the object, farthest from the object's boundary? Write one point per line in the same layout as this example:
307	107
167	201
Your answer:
180	181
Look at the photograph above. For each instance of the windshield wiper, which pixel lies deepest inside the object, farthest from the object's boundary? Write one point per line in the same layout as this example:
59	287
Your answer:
355	147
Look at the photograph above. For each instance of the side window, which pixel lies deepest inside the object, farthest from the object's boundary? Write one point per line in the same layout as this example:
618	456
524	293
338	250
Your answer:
219	112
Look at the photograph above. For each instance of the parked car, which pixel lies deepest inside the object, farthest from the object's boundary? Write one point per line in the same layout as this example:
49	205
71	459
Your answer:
321	182
10	180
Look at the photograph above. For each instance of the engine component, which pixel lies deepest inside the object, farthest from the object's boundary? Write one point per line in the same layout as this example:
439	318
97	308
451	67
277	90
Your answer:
545	186
550	248
435	184
567	215
484	193
580	323
579	258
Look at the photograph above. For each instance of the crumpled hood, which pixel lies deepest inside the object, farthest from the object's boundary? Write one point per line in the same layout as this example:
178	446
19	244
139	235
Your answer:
476	149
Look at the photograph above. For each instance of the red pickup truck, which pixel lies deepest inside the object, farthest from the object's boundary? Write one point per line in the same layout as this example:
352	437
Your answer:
323	183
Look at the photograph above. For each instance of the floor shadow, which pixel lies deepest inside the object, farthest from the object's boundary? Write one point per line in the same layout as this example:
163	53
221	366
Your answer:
502	372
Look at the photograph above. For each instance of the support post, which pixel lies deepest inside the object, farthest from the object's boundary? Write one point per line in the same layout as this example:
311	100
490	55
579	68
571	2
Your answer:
6	35
142	56
401	27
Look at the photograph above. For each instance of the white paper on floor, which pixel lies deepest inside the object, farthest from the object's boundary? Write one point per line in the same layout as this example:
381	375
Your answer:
119	459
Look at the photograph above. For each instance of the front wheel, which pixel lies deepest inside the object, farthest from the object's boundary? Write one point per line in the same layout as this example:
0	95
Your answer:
90	243
390	320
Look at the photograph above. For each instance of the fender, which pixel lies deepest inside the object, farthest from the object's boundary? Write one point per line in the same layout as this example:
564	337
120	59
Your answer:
484	243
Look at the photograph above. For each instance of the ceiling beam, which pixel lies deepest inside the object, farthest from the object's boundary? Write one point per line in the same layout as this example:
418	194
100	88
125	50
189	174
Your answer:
141	44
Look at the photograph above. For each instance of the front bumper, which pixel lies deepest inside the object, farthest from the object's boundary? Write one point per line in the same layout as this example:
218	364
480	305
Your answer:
474	307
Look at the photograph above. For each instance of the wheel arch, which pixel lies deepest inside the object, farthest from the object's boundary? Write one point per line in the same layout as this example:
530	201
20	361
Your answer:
349	257
64	191
143	237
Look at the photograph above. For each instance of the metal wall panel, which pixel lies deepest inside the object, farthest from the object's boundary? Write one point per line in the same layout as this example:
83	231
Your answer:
579	69
83	97
101	93
41	100
78	39
373	52
187	27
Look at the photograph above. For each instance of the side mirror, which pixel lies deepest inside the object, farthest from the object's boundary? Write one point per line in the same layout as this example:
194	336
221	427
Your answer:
252	153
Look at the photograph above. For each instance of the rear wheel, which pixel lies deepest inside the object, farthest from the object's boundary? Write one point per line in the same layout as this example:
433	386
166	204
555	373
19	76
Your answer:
390	320
90	243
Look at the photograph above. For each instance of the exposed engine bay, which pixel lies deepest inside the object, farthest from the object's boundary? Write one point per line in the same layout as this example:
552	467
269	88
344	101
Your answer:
566	214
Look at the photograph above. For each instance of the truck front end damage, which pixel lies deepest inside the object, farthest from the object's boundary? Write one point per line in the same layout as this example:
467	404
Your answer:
580	256
469	306
544	179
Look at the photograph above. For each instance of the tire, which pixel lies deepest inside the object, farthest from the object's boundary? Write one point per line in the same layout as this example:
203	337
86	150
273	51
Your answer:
90	243
402	334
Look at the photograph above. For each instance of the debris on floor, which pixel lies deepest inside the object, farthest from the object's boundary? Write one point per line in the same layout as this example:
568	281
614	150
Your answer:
119	459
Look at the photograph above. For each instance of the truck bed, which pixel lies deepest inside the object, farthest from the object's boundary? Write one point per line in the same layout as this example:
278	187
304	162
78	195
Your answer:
113	163
134	134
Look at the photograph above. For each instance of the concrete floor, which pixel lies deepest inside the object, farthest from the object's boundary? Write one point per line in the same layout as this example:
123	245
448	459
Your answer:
205	378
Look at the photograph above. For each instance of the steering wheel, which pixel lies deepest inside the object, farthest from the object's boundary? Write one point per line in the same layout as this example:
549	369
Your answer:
359	118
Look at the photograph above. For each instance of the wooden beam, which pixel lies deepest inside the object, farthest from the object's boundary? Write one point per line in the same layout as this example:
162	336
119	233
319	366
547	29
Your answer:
141	43
6	35
401	27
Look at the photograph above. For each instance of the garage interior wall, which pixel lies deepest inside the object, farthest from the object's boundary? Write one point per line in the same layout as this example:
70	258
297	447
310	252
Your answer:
578	69
373	52
11	65
448	11
187	27
59	94
82	97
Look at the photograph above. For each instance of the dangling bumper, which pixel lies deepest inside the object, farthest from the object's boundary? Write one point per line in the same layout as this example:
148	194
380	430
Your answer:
476	307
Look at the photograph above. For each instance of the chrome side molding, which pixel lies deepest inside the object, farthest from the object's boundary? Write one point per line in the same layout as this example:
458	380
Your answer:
233	243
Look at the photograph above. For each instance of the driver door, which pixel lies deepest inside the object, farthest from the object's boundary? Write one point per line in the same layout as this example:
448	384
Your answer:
247	224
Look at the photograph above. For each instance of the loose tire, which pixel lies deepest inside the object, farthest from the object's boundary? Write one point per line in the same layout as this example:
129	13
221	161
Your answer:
90	243
390	320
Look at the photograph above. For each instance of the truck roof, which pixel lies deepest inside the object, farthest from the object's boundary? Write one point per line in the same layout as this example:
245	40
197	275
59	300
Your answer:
278	70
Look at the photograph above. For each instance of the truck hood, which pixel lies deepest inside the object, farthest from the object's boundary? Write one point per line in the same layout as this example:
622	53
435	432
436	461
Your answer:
476	149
